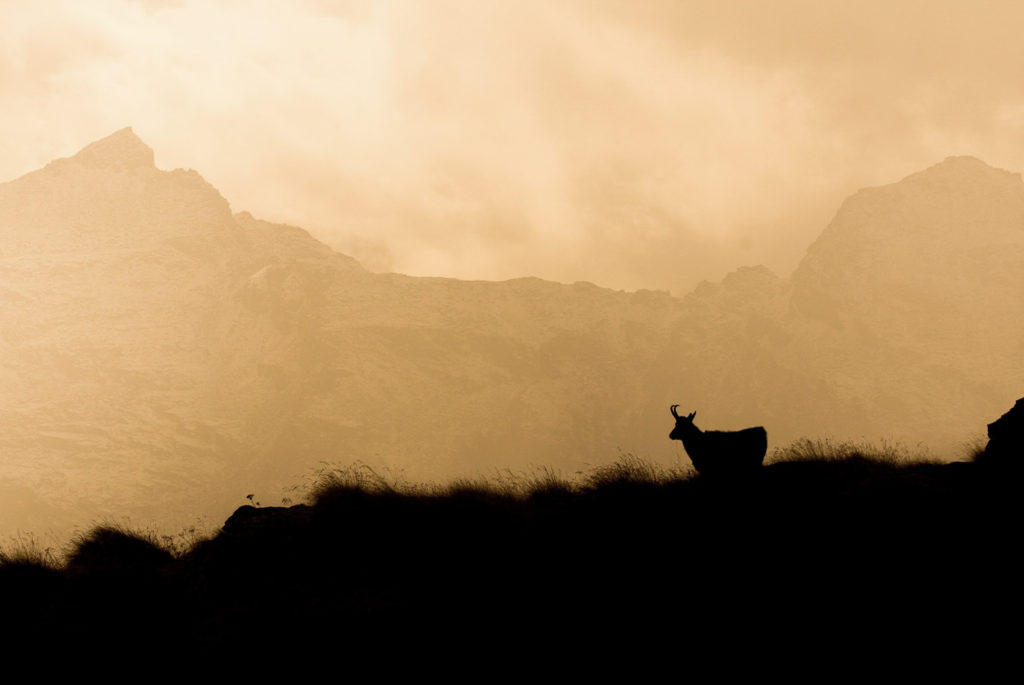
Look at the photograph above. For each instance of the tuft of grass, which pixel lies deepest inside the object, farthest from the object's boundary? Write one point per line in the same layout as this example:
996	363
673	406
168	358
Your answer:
526	484
116	548
332	481
974	450
185	540
547	483
464	487
629	468
824	450
538	482
27	550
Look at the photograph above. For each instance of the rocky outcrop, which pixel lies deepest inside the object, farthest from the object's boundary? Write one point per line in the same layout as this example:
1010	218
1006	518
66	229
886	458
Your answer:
1005	448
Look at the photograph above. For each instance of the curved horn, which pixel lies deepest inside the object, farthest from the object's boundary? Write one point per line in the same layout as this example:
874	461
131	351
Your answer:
673	410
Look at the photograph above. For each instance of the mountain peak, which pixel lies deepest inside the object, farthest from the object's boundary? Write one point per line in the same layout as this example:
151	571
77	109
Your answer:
121	148
962	170
913	251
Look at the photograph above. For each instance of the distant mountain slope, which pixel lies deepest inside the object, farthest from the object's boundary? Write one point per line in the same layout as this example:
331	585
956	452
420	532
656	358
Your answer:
159	351
162	357
920	287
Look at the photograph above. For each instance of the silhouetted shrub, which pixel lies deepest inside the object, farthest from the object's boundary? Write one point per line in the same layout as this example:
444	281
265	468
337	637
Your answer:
111	550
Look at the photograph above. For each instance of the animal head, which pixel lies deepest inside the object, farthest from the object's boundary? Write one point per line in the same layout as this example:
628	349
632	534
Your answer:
683	423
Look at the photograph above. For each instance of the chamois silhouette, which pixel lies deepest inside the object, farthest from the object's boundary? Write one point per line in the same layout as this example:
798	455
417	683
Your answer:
720	452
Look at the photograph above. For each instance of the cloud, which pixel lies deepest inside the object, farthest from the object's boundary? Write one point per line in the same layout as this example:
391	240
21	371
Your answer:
630	144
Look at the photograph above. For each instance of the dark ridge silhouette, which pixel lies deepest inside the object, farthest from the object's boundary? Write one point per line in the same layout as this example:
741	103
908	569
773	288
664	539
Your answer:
720	453
814	549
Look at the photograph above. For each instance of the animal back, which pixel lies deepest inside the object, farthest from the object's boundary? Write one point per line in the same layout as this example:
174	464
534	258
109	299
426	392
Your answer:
731	451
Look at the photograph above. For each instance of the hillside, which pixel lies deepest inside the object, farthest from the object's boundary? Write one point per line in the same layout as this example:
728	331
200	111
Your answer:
158	350
822	552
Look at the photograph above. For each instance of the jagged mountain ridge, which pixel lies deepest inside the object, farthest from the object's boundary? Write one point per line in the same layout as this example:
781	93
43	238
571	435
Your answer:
161	354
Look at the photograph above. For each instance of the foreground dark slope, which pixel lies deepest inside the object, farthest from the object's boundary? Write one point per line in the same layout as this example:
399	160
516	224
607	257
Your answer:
820	553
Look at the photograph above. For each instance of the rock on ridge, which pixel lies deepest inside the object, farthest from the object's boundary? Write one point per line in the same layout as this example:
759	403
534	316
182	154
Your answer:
1005	447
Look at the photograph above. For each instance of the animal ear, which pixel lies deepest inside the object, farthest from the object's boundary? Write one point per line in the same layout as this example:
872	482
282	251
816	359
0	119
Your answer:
692	414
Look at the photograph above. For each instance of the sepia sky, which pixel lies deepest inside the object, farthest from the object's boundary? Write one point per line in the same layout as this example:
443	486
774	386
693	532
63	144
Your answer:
632	144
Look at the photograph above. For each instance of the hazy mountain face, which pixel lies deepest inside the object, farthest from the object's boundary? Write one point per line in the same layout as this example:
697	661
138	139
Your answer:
160	358
127	318
920	286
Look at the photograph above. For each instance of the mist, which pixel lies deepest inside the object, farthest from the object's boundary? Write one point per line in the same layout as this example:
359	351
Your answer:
647	145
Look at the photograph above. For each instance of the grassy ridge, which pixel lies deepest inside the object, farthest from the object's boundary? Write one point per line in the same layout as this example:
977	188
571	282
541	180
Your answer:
814	547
